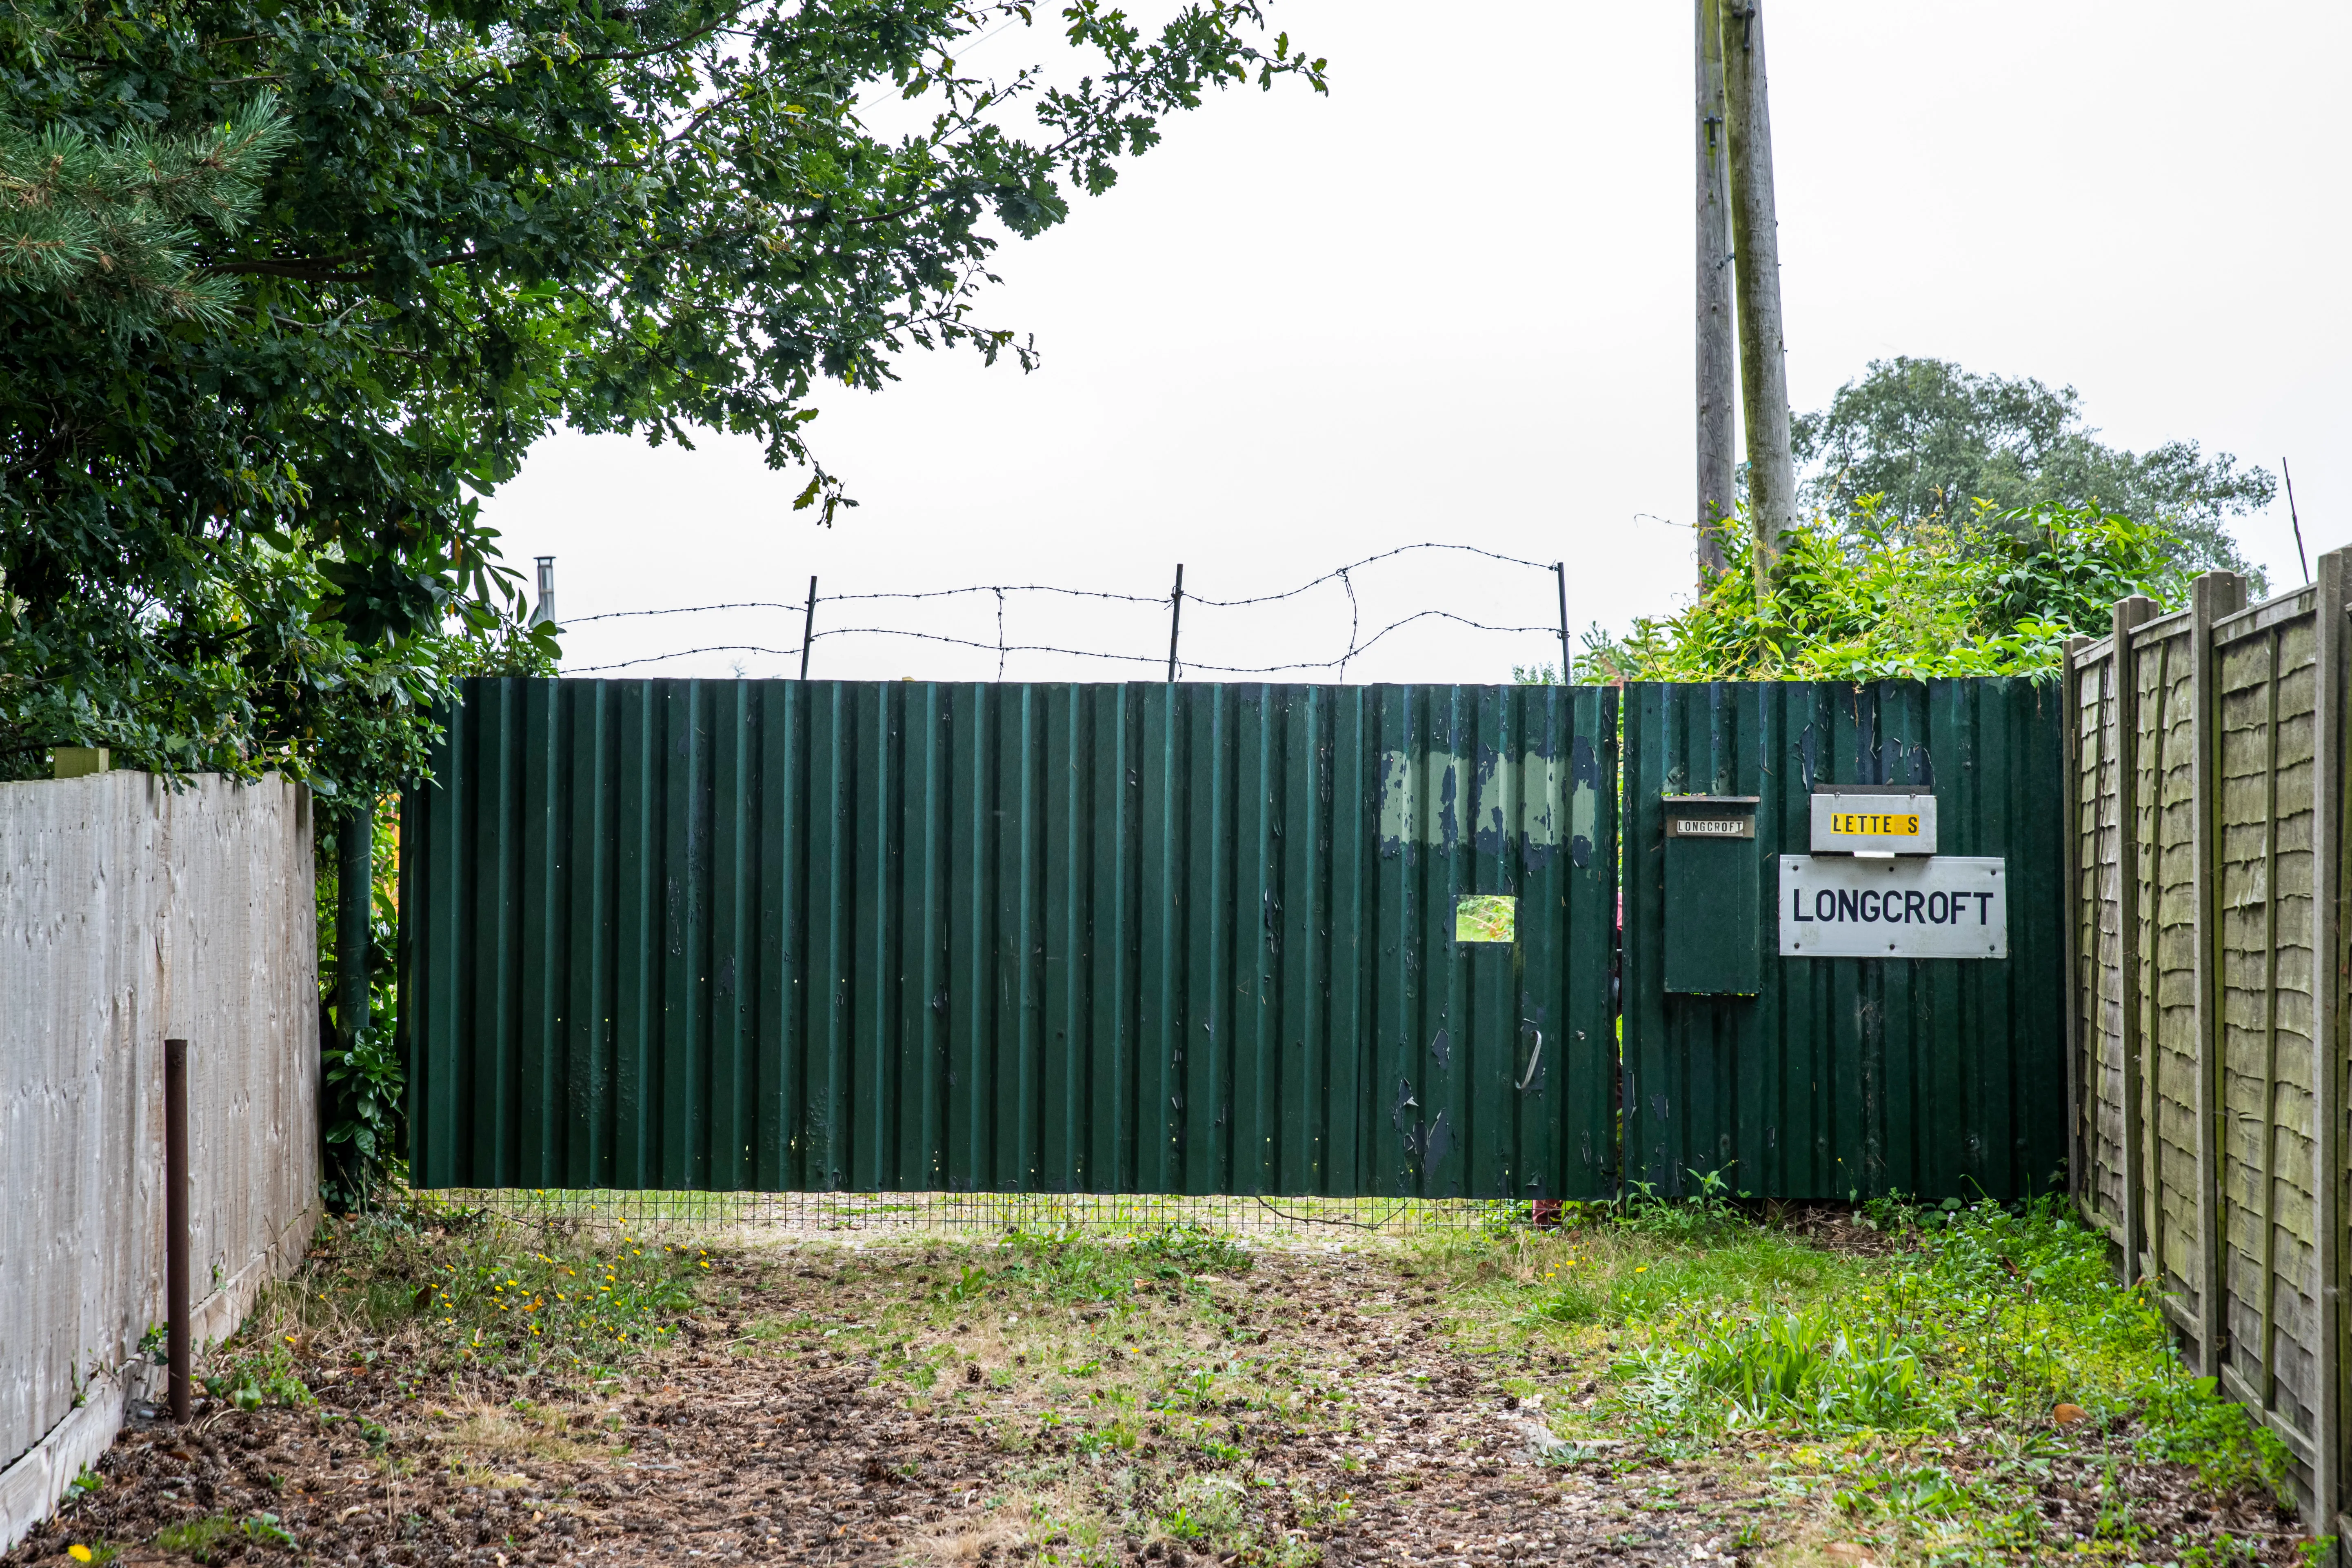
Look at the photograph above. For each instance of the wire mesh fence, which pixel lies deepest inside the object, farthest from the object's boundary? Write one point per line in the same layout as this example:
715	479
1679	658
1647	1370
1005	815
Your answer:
916	1216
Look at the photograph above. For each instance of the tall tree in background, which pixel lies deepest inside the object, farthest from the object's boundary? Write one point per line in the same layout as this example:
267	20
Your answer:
236	523
1934	439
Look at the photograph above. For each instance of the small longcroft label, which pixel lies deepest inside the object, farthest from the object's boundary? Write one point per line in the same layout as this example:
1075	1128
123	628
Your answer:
1948	906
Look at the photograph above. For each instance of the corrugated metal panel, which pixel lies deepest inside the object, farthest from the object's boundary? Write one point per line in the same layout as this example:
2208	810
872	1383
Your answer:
906	936
1931	1078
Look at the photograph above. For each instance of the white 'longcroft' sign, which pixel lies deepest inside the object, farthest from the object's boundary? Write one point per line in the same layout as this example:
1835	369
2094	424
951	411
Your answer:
1944	906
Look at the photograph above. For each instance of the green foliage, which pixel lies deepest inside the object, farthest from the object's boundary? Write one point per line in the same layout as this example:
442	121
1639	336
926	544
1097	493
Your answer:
1069	1265
264	1375
1882	597
213	1535
219	1537
1995	1319
492	1296
1806	1366
1934	440
1186	1248
364	1079
268	1530
236	537
101	228
1911	1387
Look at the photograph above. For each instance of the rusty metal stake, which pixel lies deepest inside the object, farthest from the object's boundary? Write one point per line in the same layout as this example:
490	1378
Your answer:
175	1220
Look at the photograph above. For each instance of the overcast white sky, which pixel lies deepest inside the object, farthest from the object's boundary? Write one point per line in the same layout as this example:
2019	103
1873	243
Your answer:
1452	302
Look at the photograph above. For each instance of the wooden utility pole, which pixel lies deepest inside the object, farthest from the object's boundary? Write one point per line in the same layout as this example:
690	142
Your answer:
1718	455
1755	247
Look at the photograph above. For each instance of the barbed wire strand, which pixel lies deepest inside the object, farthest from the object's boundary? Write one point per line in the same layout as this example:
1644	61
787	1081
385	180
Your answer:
1001	648
1003	588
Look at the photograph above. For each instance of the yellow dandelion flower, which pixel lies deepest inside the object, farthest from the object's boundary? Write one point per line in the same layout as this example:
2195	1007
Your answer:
78	1552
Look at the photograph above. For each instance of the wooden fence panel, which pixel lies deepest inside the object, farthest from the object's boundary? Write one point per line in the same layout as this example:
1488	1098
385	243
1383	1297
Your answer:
2164	798
2206	783
2098	926
2266	661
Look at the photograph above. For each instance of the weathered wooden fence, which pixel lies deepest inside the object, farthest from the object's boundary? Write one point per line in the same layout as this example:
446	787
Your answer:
129	912
2207	769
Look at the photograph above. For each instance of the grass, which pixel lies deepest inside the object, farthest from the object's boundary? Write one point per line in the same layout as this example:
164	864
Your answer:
1901	1394
219	1536
1119	1373
1910	1398
438	1289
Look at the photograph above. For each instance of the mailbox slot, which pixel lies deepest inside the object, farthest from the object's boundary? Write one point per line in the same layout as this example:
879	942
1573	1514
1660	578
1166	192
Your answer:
1715	915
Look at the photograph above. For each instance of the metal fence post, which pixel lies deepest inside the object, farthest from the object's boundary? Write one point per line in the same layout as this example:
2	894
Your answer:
2129	614
355	915
175	1223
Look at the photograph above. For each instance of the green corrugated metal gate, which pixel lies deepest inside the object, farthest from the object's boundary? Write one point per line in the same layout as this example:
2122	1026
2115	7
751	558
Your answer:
1935	1076
902	936
1196	939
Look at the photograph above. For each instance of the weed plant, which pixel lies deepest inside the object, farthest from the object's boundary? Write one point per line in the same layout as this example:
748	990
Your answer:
453	1289
1069	1265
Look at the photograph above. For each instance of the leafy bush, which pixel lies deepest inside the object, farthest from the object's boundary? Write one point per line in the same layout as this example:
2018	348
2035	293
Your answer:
1996	594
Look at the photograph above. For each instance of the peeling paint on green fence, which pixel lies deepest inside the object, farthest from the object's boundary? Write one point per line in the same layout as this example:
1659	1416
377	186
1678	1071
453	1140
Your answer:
911	936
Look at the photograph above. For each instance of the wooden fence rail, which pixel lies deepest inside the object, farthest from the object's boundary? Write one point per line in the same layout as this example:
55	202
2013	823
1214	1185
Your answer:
2206	774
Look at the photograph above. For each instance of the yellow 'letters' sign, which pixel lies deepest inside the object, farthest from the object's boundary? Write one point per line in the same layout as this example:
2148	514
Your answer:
1883	826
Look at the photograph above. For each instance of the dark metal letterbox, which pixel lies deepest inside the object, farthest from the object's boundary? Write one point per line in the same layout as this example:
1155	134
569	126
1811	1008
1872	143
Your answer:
1714	935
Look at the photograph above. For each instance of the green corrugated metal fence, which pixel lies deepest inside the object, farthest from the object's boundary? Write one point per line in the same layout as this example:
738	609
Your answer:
1929	1076
1146	938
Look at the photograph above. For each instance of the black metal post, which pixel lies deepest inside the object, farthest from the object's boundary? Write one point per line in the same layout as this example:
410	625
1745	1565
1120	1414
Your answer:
1175	618
354	911
1559	575
175	1221
808	626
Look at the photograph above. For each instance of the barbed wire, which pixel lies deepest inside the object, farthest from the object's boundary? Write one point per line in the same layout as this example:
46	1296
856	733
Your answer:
1001	589
1357	643
1001	647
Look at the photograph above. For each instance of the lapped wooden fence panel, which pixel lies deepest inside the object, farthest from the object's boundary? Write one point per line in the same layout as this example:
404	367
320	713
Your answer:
2207	777
2266	809
2096	1016
2165	771
903	936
